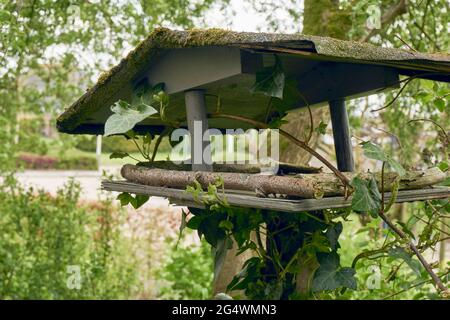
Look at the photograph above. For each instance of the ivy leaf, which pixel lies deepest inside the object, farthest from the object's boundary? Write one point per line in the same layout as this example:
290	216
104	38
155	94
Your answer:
400	253
194	222
118	155
330	275
373	151
346	278
250	273
270	80
291	96
220	252
126	116
439	103
226	225
443	166
332	235
366	197
321	128
139	200
125	198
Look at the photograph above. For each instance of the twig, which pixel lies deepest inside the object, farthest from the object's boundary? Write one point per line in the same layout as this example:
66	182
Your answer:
367	254
158	142
413	247
433	122
404	42
396	96
425	264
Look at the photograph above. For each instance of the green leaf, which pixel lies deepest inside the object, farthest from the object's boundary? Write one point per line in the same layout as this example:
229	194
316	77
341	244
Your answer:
270	80
291	96
373	151
443	166
366	197
220	252
400	253
439	103
226	225
139	200
4	15
333	234
125	198
346	278
125	117
330	275
194	222
118	155
321	128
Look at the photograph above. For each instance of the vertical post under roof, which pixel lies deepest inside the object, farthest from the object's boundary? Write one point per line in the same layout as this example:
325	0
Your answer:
341	135
198	124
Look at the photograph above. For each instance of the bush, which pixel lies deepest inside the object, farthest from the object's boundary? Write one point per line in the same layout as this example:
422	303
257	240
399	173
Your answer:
78	163
188	272
34	161
115	144
109	144
40	162
49	245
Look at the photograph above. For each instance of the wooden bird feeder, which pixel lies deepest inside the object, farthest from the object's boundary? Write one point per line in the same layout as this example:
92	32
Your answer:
198	65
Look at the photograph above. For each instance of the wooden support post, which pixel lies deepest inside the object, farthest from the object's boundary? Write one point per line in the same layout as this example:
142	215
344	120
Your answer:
341	135
198	124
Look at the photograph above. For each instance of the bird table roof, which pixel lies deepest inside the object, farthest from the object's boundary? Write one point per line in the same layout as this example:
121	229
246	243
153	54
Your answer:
224	63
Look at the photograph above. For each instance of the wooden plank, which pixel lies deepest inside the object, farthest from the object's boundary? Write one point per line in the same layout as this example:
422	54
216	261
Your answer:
341	135
181	197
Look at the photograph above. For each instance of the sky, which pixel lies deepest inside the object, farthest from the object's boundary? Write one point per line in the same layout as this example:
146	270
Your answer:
243	16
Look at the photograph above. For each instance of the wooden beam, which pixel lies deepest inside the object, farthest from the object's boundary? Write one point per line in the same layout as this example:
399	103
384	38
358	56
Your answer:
249	200
341	135
198	125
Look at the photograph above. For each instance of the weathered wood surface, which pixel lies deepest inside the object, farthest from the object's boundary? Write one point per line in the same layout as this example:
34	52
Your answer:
301	185
183	198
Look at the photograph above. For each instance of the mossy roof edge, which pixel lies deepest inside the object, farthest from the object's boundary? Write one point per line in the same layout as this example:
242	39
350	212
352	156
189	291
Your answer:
162	38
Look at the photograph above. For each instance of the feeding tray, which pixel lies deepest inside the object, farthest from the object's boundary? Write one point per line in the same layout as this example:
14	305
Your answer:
245	199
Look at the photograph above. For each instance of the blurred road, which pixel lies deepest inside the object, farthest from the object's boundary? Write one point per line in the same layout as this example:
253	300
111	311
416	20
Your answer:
52	180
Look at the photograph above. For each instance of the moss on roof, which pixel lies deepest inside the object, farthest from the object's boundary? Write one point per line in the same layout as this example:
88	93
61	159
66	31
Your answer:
138	59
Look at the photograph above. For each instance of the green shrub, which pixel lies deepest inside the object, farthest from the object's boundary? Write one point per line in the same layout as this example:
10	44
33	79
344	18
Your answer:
187	273
115	144
109	144
42	162
44	238
77	163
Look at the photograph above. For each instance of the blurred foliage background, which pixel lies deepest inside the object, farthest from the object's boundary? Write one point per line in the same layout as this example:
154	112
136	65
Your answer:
51	51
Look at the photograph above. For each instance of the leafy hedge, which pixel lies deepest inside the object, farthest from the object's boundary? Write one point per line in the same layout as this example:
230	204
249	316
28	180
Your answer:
43	162
187	273
59	248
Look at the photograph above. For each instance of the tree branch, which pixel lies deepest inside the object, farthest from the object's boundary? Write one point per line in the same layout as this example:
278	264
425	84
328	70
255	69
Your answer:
390	15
